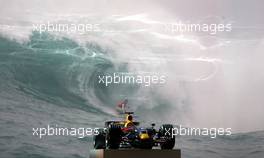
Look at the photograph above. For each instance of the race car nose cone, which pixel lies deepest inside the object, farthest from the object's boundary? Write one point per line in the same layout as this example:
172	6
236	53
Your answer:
144	136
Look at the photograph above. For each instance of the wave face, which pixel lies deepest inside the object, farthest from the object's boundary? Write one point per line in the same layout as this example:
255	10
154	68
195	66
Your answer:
58	71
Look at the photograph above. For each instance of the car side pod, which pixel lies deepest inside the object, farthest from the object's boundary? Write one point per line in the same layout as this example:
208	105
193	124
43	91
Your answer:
135	153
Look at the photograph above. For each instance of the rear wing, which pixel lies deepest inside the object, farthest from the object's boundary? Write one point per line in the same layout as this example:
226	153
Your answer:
121	123
129	113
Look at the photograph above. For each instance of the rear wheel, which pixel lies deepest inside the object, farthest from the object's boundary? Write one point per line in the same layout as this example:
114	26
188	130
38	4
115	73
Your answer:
114	136
99	141
166	131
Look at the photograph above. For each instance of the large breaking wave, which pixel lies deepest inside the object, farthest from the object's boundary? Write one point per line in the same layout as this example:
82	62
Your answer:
59	71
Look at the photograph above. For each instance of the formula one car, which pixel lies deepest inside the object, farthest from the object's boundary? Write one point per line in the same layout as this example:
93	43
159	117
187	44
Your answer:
128	134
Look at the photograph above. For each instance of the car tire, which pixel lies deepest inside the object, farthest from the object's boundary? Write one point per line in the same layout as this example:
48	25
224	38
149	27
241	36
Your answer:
166	131
114	136
99	141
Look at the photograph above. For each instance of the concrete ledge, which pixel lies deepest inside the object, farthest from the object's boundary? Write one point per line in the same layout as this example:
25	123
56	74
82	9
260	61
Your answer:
135	153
